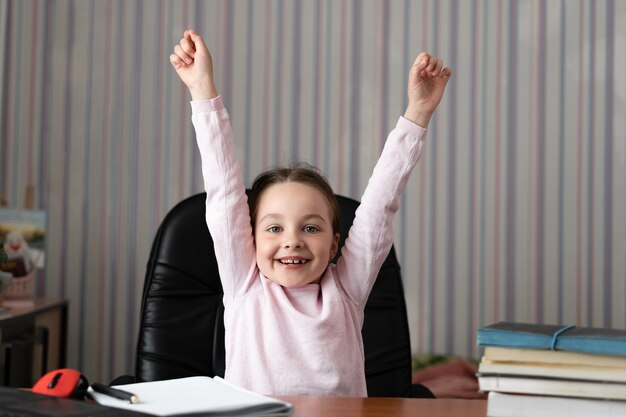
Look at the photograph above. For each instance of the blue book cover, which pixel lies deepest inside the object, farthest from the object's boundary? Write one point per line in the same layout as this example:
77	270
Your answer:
554	337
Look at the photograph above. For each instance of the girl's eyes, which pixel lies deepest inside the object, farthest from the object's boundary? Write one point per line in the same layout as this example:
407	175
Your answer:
306	229
310	229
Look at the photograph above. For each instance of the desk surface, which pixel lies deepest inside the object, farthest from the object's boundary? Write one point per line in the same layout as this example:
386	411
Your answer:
384	407
20	308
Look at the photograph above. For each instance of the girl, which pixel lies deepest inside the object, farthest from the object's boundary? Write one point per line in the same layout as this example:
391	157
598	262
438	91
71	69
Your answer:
293	320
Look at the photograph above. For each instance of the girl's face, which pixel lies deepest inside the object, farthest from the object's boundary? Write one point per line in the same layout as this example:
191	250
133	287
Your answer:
293	234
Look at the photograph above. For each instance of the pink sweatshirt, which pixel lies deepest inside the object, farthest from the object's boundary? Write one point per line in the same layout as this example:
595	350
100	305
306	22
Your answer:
306	340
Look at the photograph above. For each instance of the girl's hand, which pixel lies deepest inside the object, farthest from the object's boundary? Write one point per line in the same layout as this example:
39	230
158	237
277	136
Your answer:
193	64
427	81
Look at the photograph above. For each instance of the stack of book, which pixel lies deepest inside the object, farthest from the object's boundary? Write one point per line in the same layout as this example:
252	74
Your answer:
548	370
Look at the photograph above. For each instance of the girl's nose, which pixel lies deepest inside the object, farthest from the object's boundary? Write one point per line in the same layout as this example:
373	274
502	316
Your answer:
292	240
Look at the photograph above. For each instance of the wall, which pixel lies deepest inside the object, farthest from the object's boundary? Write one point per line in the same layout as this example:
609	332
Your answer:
516	211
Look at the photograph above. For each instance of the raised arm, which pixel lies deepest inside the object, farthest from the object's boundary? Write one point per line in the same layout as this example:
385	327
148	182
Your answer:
371	235
227	214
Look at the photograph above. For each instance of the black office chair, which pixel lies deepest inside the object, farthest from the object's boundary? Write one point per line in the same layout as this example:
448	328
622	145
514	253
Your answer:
181	330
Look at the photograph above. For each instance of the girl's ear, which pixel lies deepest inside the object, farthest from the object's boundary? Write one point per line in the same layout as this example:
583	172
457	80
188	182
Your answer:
334	247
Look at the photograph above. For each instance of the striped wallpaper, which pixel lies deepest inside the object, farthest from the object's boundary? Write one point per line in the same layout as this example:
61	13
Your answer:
516	211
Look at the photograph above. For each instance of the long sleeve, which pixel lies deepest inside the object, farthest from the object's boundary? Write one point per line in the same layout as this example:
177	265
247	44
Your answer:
227	214
371	236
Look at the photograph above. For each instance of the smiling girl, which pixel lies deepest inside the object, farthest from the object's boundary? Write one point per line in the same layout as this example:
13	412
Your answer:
293	319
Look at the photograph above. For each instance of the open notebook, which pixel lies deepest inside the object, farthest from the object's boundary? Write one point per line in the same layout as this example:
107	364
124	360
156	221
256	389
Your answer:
199	395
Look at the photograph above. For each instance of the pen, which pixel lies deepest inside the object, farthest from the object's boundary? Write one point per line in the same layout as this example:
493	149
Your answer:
115	393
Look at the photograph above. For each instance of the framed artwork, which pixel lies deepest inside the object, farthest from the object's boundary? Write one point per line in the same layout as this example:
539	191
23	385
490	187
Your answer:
22	250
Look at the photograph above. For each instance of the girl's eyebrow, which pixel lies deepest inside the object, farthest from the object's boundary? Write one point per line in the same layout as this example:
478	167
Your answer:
314	216
272	216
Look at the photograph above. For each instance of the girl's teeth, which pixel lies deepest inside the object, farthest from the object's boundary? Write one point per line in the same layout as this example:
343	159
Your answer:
292	261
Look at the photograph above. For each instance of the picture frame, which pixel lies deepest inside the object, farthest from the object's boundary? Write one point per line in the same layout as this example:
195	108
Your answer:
23	239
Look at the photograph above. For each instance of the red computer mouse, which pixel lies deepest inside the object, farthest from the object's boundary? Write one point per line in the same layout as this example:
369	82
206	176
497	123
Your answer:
67	383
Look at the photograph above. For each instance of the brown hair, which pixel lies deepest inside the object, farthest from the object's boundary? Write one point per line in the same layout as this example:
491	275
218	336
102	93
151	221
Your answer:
302	173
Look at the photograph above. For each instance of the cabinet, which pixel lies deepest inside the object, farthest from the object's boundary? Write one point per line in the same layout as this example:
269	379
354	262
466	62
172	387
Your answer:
33	341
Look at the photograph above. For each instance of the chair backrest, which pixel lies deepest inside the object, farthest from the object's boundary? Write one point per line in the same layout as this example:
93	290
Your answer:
181	329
